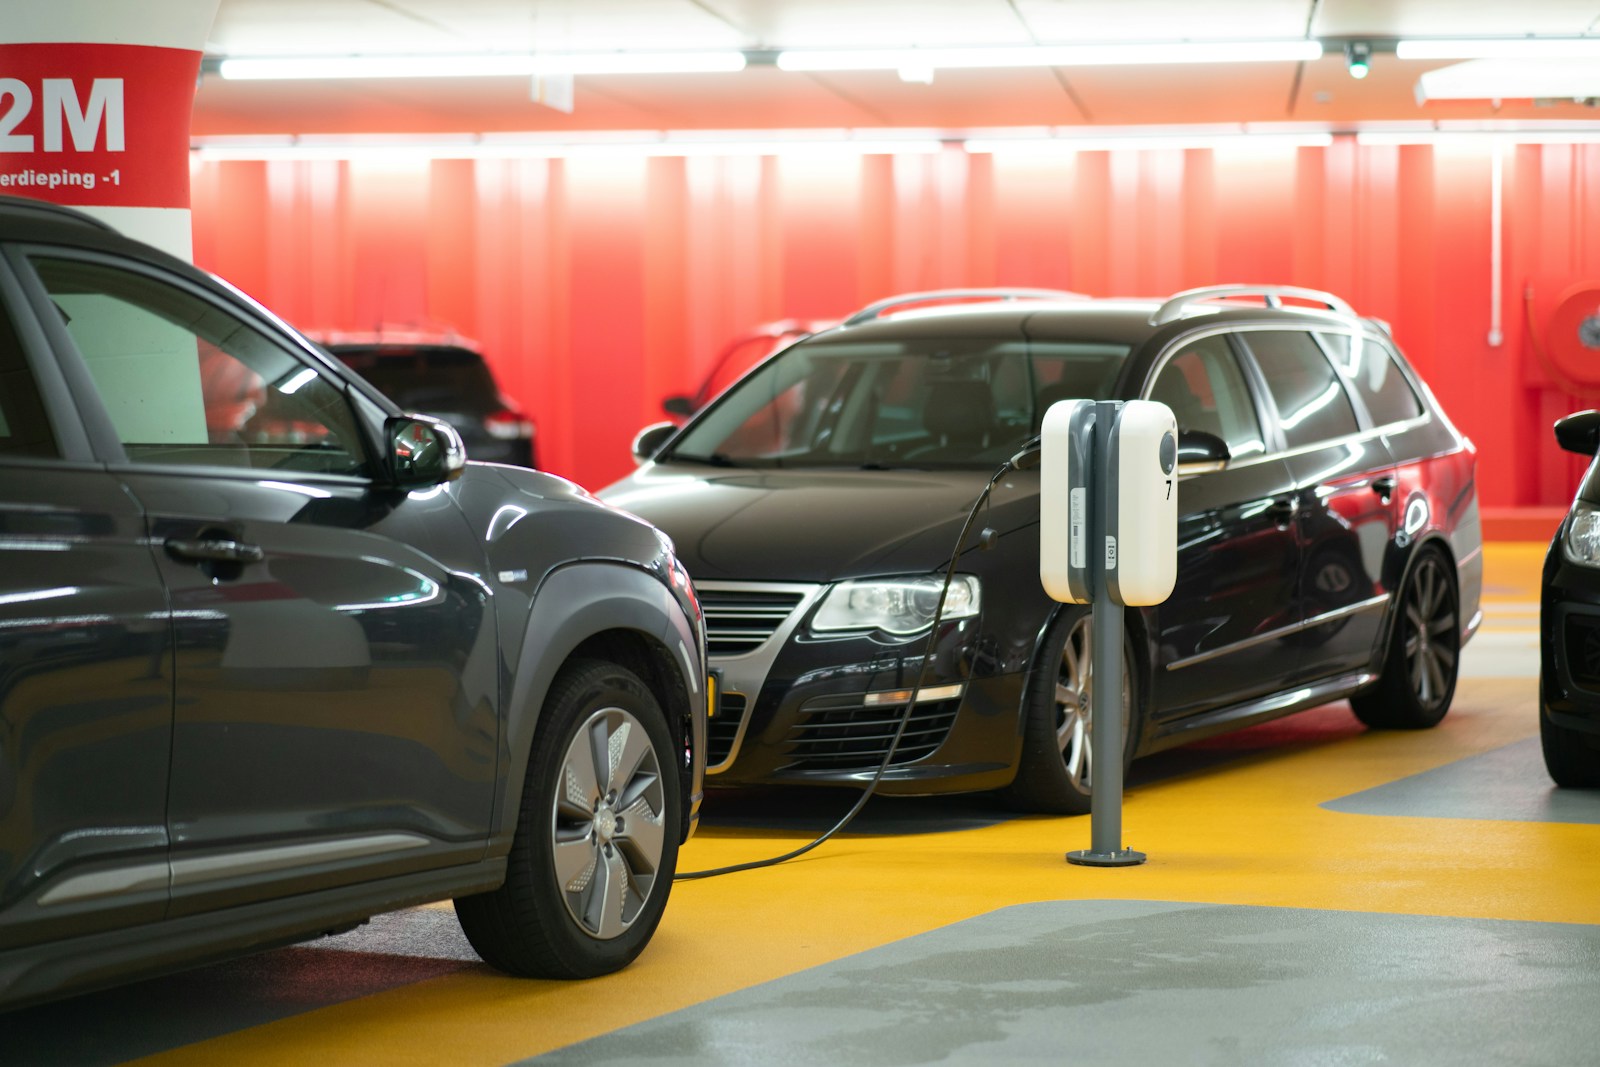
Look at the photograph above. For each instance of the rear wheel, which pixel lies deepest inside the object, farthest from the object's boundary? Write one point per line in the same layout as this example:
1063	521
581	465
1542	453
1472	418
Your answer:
1419	671
597	836
1056	773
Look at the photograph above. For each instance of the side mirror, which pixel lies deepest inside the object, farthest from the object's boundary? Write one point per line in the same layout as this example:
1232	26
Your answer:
680	406
650	439
1200	451
423	451
1579	432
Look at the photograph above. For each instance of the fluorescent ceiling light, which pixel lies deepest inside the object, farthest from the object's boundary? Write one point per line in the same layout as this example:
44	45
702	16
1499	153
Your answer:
1060	146
497	64
1476	137
511	146
1049	55
1499	48
1512	79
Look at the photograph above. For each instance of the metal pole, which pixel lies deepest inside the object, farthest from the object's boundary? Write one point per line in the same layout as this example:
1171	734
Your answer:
1105	635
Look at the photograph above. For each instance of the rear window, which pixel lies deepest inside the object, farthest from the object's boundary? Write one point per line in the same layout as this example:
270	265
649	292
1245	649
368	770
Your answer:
1371	368
424	377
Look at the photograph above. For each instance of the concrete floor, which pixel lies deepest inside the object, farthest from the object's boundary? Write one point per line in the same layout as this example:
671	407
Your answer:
1315	894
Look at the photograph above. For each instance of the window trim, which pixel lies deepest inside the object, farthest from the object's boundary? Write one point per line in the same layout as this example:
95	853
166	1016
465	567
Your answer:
105	443
73	439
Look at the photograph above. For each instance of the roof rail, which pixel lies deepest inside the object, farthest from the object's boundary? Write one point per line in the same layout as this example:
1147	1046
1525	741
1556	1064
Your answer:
1272	294
882	307
46	207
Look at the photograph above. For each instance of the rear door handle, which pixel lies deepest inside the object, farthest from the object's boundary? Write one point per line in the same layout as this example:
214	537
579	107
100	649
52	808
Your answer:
213	549
1384	486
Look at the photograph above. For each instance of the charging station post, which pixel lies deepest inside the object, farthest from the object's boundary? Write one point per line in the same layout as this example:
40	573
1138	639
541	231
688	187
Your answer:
1108	524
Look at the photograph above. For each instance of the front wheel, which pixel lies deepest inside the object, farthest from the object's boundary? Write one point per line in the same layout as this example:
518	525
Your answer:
1419	670
1571	758
1056	772
597	836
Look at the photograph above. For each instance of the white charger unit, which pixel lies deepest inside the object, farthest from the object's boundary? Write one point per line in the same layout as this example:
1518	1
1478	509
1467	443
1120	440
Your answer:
1138	556
1142	530
1066	448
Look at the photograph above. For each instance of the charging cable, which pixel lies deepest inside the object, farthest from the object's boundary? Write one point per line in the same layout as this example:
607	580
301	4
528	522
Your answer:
1027	457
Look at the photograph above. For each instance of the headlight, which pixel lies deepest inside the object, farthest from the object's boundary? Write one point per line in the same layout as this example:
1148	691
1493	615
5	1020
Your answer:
1582	542
895	605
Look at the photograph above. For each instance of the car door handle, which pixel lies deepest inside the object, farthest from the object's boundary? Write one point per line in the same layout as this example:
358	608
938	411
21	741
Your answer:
1283	510
1384	486
214	549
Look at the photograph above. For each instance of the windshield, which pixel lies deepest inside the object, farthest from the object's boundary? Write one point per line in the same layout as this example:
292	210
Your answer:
922	402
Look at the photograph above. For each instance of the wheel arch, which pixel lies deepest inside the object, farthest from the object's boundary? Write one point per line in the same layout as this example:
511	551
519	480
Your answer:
600	610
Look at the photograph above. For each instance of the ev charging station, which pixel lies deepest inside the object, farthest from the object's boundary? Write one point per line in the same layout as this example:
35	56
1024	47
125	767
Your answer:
1108	537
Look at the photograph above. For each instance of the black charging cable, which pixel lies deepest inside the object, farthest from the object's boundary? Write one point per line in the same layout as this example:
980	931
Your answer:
1027	457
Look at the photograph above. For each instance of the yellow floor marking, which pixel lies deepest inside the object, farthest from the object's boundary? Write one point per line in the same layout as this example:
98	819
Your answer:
1250	831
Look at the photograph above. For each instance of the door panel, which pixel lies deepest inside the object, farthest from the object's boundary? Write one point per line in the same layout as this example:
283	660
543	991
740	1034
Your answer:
85	708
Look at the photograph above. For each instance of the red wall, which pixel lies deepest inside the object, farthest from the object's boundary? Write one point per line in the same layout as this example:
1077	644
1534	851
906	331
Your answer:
597	286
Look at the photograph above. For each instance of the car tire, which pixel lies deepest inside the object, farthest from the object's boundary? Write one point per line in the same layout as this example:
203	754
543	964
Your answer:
1571	757
596	843
1424	654
1054	774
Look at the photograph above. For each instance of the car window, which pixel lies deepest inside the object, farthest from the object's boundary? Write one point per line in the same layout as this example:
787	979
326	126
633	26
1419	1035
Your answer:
912	403
24	429
1370	366
1206	390
1312	403
424	377
187	382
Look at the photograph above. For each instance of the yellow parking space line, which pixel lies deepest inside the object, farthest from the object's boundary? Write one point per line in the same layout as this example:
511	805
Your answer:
1248	832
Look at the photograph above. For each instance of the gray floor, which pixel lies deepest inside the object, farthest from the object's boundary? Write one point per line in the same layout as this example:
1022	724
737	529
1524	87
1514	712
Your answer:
1160	983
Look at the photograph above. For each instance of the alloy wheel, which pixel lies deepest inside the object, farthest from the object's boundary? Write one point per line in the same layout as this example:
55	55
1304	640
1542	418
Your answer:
1075	704
608	827
1432	637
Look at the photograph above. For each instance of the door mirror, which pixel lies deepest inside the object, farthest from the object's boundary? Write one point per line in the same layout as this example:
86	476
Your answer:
680	406
1579	432
423	451
1200	451
650	440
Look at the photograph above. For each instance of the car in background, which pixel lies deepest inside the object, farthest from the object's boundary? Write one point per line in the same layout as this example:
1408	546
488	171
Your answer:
447	377
1569	624
1329	537
276	657
736	359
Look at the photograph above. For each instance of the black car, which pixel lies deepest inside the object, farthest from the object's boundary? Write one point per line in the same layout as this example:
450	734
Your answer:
274	657
1328	545
446	376
1569	624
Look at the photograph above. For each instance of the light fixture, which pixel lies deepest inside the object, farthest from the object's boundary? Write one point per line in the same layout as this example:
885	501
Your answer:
1358	58
617	145
1049	55
1512	79
1499	48
494	64
1048	146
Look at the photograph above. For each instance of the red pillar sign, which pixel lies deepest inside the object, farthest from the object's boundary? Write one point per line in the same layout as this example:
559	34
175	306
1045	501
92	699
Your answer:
96	115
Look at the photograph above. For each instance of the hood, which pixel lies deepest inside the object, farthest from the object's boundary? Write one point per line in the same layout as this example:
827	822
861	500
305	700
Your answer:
817	526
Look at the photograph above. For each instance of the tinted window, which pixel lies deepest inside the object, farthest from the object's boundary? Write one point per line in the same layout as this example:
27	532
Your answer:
185	381
24	430
1206	390
1312	404
1371	368
970	402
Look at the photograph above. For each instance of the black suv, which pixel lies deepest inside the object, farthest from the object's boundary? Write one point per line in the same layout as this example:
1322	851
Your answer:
274	657
1328	541
442	375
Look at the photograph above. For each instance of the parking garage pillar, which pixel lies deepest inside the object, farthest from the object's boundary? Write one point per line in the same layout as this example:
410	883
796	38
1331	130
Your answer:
95	100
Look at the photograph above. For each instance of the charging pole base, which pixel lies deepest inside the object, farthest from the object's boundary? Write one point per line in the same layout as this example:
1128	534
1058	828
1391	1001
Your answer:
1123	857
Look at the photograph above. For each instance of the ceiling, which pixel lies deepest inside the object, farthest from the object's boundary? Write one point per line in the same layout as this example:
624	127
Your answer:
764	97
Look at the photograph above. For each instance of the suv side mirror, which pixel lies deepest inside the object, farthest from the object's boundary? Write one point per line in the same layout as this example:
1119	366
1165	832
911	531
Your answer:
422	451
1200	451
1579	432
650	439
680	406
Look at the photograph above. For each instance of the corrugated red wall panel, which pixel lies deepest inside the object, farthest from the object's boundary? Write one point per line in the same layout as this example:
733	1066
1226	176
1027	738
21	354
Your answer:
599	285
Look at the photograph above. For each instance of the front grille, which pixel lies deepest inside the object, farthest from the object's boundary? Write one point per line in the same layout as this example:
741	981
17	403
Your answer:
740	621
834	737
1582	633
723	730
